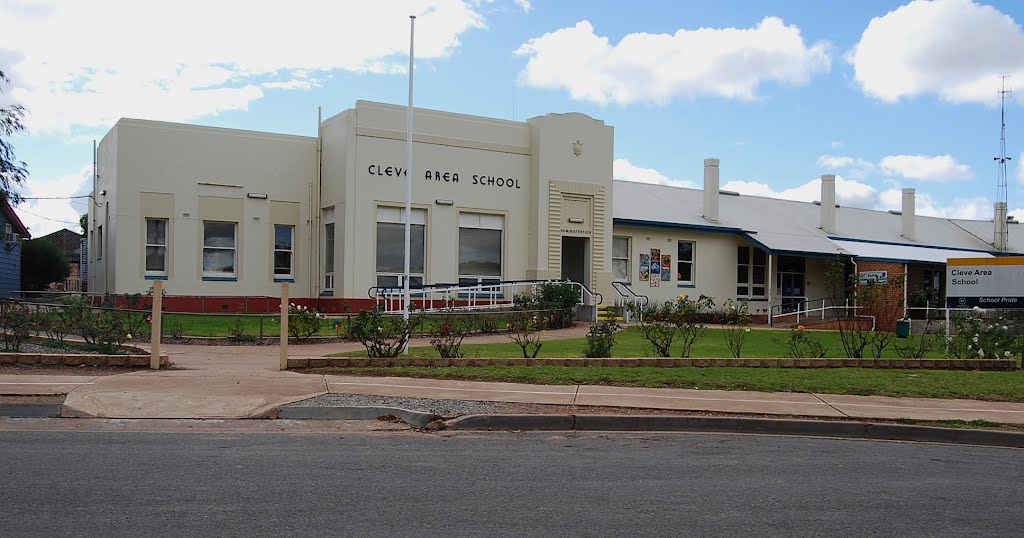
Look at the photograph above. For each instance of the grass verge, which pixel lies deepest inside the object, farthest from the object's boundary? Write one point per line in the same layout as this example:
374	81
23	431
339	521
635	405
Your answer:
947	384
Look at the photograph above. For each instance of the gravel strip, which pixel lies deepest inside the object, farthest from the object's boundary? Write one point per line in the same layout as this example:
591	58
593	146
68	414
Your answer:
444	408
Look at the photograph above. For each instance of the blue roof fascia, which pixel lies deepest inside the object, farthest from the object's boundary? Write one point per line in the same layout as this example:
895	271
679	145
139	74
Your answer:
677	226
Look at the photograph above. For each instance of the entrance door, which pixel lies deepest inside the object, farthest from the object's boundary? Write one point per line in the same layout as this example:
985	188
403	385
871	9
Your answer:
791	276
574	259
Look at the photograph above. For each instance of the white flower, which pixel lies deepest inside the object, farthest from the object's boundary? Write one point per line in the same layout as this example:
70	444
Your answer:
746	330
981	352
975	339
1006	353
968	346
1004	327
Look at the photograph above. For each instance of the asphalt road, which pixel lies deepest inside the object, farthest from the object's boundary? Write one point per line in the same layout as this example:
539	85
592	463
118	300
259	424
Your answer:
500	484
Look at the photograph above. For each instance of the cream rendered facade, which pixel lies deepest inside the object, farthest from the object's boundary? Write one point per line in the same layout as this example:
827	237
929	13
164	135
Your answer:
544	180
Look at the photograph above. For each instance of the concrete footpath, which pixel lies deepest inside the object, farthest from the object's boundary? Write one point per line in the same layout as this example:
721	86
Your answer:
244	382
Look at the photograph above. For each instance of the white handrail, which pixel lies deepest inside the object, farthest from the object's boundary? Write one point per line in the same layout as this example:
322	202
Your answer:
440	297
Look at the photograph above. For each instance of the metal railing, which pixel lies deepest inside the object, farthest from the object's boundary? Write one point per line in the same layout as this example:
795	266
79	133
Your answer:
625	296
447	296
805	311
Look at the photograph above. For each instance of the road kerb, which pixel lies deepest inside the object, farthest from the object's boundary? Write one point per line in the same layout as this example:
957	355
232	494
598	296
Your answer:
810	428
30	410
414	418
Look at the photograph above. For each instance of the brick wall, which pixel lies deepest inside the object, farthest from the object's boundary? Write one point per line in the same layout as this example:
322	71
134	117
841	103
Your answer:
888	306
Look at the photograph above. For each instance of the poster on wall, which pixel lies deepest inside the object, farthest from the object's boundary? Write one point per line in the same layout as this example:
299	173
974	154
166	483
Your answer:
666	267
645	267
655	267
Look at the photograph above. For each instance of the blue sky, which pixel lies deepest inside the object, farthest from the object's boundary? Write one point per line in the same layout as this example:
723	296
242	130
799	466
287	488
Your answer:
884	94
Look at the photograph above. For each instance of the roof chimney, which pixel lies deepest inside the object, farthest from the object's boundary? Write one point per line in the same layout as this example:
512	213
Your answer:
999	224
711	190
828	203
907	228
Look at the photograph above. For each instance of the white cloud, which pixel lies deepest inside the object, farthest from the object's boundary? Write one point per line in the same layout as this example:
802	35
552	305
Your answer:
624	170
856	167
836	144
46	216
656	68
956	49
975	208
90	63
849	192
924	168
524	4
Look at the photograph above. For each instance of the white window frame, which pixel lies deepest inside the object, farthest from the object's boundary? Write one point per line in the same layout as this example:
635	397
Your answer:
165	245
692	262
629	251
99	242
290	276
396	215
233	249
481	221
750	267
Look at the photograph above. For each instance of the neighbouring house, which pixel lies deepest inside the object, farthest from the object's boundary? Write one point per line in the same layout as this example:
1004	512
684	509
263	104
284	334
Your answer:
70	245
10	256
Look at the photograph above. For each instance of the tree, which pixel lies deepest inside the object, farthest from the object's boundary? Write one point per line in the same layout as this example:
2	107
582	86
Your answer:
41	264
12	171
83	221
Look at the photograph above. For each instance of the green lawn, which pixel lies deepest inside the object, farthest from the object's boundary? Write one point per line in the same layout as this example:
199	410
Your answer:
629	343
996	386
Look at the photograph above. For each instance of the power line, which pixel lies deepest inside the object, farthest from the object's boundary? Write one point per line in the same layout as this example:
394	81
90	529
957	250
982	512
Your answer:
57	197
47	218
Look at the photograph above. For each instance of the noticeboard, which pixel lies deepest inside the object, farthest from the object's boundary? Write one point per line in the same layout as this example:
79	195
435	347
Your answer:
985	282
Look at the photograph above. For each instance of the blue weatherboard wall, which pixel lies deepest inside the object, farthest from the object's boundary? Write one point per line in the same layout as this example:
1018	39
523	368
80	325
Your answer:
10	263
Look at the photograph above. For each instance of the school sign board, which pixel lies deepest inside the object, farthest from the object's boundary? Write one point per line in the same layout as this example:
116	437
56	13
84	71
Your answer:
985	282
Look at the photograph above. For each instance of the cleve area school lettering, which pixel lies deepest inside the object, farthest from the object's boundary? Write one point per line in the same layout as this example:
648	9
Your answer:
447	176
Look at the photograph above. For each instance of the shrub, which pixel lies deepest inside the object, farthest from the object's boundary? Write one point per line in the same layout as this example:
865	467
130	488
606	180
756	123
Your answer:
561	299
303	322
382	336
52	323
447	336
601	338
15	324
136	312
523	326
488	323
236	331
102	327
176	327
974	337
735	321
682	319
800	344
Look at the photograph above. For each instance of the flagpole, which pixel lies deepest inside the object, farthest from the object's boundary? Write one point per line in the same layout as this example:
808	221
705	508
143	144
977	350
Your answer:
408	184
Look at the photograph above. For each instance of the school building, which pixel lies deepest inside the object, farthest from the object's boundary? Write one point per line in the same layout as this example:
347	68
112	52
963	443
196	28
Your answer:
225	215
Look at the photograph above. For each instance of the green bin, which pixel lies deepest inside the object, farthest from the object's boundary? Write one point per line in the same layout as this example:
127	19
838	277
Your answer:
903	328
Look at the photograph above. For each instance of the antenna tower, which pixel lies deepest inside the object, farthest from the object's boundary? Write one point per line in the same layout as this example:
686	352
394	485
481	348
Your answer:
1001	228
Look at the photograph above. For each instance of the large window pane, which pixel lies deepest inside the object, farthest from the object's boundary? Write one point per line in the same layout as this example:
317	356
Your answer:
620	269
391	248
156	259
284	237
219	248
219	234
479	252
329	247
218	261
156	247
620	247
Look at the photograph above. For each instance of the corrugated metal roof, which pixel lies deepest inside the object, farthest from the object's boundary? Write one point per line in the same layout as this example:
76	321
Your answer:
790	226
905	253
